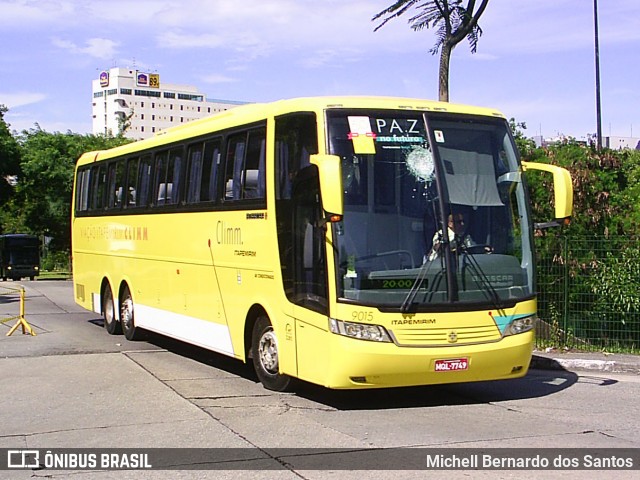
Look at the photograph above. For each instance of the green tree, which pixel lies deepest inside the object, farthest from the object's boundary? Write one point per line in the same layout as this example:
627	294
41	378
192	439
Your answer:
124	122
454	22
9	158
42	200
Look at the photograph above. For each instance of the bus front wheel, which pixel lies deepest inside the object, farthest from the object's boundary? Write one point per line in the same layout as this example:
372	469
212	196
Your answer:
111	323
264	347
131	332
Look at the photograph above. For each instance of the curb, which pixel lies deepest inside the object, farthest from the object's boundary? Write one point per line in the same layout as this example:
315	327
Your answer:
542	362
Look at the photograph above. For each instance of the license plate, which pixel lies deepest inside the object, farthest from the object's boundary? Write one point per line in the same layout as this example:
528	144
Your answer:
451	365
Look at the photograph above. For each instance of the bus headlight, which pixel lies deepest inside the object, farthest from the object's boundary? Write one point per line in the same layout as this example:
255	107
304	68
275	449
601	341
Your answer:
362	331
520	325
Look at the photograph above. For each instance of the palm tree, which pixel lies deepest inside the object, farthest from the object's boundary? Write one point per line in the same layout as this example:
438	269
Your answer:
453	21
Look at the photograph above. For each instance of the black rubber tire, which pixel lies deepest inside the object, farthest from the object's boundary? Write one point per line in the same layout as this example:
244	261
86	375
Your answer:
127	321
111	322
264	347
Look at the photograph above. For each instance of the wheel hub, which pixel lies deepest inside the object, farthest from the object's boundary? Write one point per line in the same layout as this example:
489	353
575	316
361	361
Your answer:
268	352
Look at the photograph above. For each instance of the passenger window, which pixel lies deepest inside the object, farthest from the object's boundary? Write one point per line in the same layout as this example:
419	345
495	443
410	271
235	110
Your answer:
245	166
82	190
253	182
144	181
211	164
204	160
132	178
98	187
115	186
194	173
167	177
235	160
160	184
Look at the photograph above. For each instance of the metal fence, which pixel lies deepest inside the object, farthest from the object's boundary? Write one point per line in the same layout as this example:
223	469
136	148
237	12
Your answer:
589	293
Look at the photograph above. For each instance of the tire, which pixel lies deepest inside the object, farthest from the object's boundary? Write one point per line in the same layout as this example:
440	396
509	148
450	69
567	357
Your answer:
264	346
111	323
131	332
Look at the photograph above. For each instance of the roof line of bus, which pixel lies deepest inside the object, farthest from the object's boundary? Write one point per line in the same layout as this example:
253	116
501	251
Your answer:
255	112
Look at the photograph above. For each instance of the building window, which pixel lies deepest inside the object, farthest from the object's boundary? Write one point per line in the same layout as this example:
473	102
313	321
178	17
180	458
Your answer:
153	117
147	93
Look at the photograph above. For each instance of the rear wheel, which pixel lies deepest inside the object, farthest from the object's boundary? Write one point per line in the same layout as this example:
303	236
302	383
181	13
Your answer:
111	323
131	332
264	346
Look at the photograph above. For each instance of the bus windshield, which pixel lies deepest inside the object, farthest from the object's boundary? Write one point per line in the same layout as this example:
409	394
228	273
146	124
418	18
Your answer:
435	211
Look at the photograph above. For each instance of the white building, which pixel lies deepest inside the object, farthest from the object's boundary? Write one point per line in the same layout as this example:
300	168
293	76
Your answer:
621	143
140	99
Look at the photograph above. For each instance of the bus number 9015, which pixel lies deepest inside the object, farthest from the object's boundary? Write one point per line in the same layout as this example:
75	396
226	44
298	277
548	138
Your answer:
362	316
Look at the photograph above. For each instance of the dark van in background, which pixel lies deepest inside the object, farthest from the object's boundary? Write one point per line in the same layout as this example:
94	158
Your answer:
19	256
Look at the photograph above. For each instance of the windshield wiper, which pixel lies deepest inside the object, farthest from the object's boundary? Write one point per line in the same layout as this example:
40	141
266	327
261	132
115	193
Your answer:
482	280
417	284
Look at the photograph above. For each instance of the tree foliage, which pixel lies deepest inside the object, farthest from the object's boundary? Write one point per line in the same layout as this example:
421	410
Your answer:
590	270
9	158
41	200
453	21
606	187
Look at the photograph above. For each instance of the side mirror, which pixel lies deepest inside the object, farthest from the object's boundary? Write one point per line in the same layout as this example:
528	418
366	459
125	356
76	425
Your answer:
562	192
330	172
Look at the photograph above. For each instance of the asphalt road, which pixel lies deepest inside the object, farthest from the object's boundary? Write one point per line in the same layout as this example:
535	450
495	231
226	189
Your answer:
73	385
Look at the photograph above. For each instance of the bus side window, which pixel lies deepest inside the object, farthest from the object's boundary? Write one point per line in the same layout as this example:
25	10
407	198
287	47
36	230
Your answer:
174	176
160	174
98	187
209	189
235	159
82	190
253	181
194	173
115	184
202	172
132	177
245	166
296	140
144	181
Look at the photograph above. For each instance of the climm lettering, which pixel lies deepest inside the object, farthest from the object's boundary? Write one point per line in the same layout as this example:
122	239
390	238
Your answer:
227	234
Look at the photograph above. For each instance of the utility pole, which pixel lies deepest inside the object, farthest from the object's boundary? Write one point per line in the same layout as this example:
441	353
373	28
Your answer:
597	52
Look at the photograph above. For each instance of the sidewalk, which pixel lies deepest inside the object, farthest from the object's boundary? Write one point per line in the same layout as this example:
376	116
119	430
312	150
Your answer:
586	361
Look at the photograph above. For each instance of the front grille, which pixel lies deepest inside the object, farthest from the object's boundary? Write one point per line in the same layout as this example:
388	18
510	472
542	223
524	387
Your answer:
439	336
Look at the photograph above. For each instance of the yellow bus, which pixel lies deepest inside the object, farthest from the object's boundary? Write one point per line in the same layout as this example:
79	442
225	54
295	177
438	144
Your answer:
306	236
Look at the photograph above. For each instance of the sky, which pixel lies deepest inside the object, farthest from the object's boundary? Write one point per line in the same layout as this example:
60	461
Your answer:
535	59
